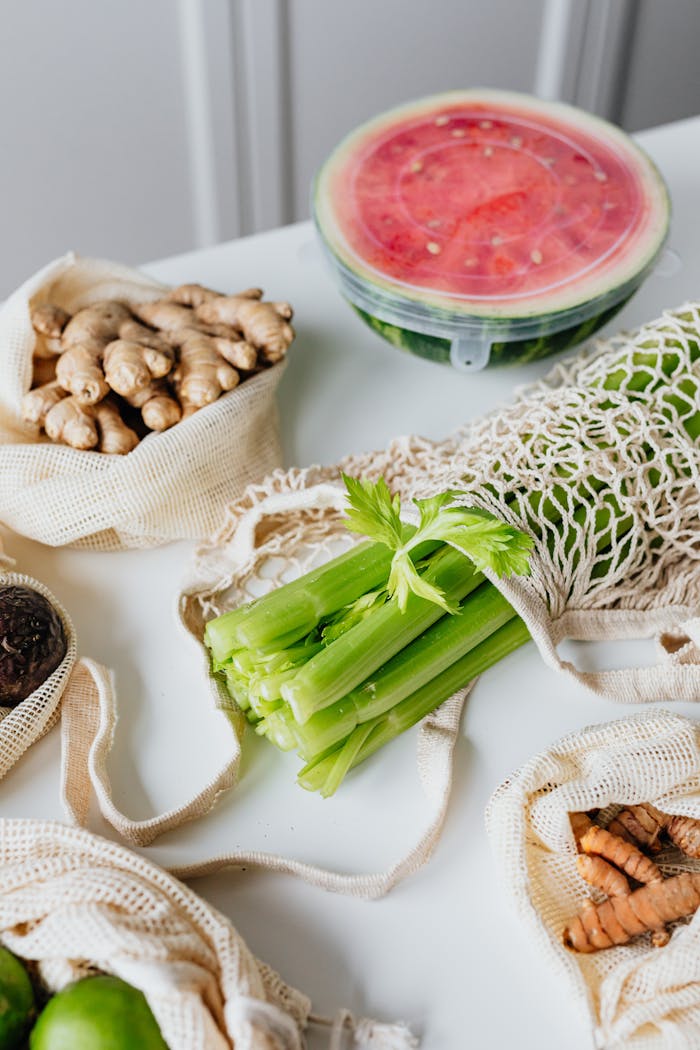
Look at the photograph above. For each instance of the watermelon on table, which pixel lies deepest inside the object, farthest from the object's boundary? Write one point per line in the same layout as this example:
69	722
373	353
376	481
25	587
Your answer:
485	226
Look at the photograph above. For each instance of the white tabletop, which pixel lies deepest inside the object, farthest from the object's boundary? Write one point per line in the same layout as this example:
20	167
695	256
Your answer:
444	950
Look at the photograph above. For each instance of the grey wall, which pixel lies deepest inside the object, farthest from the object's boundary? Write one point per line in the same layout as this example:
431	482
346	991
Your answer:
148	127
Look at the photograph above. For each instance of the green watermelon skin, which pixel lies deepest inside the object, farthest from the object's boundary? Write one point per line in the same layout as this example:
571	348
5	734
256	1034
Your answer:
515	352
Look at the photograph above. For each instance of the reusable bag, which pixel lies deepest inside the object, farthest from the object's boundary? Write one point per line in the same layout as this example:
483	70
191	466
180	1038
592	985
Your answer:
634	996
172	486
73	903
627	451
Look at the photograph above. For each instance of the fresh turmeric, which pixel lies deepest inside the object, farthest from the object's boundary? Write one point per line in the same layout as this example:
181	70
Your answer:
646	824
602	843
621	918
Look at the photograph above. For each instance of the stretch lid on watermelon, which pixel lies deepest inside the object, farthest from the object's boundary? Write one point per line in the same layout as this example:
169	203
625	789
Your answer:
471	211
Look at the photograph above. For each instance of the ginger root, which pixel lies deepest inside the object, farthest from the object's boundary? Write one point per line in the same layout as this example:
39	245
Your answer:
72	423
159	409
202	375
115	437
37	403
167	358
264	325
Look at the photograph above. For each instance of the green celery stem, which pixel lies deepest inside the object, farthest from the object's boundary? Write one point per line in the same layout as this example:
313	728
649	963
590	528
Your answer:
481	613
358	653
419	704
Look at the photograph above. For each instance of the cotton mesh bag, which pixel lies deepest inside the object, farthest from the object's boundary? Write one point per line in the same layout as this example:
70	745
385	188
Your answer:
635	996
599	462
73	904
23	725
173	485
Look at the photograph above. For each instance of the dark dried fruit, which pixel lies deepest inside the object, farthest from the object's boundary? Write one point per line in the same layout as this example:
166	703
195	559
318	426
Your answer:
32	642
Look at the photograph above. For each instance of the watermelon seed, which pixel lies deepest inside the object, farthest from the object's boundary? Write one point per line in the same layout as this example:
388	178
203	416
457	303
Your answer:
459	133
470	262
536	256
433	247
601	176
488	151
495	241
441	121
486	124
434	223
417	165
516	142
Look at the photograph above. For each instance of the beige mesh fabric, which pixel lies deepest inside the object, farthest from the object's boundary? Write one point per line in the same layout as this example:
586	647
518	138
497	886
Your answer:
74	903
636	996
172	486
604	449
26	723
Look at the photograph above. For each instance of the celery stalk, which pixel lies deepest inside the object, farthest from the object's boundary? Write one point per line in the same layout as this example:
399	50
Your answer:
386	727
360	651
480	615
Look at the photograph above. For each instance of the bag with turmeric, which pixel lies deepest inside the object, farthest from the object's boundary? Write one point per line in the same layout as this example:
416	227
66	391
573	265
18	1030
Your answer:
597	844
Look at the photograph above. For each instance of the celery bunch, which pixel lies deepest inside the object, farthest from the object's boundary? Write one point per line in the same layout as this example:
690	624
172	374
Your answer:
342	660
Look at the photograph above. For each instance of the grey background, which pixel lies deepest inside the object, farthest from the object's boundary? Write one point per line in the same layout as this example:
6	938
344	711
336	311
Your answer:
150	127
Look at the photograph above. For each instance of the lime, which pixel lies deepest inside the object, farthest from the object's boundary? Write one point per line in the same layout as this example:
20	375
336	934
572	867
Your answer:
16	1001
97	1013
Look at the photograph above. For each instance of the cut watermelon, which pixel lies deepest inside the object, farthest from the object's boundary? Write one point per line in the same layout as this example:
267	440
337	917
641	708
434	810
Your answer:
486	226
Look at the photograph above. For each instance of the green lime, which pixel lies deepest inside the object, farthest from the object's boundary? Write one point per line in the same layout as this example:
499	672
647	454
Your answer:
97	1013
16	1001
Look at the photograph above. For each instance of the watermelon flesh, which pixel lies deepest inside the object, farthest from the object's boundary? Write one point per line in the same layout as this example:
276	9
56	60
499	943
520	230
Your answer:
489	216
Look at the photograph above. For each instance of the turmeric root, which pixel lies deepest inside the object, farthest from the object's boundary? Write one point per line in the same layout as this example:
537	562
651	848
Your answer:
645	824
597	872
115	437
37	403
264	325
641	823
202	375
72	423
601	843
620	918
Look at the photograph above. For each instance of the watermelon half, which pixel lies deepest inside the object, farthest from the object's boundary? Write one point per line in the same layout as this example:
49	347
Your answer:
484	226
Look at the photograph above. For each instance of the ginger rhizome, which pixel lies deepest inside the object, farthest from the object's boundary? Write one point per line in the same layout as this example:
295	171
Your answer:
160	357
611	859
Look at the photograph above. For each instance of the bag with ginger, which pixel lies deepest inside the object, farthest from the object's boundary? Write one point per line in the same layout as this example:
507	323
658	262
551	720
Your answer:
173	485
634	995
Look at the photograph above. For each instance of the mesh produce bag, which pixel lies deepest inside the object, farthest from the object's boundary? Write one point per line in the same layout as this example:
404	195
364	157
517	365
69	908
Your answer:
26	723
599	462
172	486
73	903
635	995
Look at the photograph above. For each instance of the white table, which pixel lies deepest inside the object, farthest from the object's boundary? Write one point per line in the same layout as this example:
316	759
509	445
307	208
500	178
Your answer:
444	950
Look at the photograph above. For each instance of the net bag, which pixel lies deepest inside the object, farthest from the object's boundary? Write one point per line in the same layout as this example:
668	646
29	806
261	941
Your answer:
635	995
172	486
73	903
